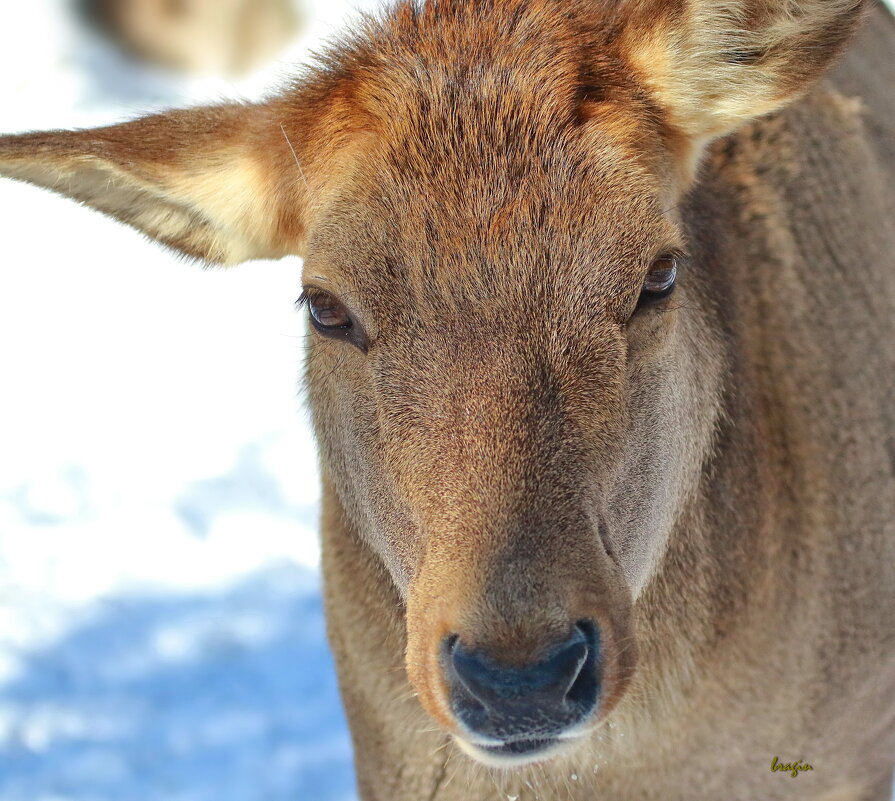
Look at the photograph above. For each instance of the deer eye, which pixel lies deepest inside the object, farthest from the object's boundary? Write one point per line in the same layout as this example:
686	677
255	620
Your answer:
660	280
331	318
327	312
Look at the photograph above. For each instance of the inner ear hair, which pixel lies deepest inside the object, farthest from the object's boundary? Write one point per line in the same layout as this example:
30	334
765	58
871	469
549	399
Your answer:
206	182
712	65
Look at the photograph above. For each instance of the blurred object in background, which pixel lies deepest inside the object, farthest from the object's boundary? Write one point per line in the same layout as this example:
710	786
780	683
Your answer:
200	37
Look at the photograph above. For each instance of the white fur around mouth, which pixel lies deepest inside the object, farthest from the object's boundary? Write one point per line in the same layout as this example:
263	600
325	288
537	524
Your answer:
490	755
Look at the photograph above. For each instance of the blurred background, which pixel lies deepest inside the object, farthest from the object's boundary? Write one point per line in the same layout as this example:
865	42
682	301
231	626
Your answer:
161	631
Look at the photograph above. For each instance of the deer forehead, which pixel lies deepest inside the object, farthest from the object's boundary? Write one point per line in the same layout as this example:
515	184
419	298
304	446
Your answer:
579	222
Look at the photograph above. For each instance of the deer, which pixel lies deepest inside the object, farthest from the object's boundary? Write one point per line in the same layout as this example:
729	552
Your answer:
601	362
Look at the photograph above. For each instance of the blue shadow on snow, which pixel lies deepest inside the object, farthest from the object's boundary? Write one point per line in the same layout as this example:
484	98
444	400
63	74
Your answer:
223	696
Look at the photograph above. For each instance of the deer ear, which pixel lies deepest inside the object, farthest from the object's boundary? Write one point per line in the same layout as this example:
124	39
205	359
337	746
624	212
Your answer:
712	65
221	184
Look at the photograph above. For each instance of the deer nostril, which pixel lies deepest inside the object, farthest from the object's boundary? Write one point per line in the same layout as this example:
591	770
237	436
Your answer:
584	688
541	698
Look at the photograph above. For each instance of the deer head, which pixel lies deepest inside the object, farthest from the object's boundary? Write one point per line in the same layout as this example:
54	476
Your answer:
512	408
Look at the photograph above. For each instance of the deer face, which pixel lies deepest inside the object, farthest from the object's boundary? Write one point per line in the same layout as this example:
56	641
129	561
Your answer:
512	405
509	409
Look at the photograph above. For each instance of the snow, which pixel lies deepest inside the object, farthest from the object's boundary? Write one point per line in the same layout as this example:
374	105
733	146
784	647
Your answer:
225	695
161	629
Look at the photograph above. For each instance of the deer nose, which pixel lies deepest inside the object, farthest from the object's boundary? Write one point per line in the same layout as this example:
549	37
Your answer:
523	709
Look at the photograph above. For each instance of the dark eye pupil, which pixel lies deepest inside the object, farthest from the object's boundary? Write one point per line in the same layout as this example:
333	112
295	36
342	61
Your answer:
328	312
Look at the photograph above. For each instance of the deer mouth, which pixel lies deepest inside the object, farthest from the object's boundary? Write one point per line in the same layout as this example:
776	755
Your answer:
520	747
520	752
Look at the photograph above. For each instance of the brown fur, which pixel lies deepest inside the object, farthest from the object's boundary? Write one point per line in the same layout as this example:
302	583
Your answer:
485	183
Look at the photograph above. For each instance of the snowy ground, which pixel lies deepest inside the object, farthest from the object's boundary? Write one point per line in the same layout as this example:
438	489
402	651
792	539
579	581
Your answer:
161	633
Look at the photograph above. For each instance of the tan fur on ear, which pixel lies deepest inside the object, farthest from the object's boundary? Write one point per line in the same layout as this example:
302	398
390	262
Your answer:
218	184
714	64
